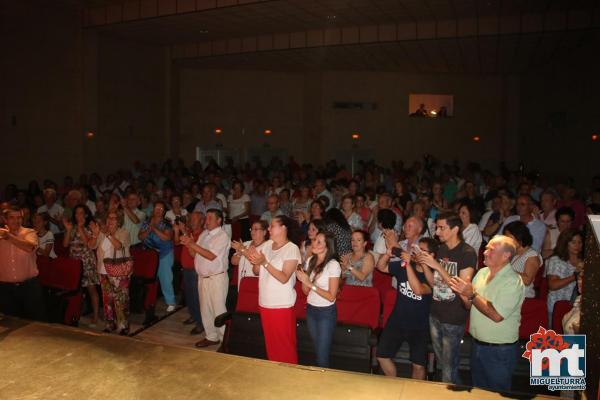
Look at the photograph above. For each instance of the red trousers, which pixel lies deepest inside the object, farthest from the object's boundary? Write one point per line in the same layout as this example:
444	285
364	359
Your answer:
279	328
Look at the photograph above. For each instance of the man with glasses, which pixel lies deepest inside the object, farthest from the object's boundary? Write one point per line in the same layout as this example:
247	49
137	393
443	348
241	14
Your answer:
448	314
20	292
495	299
525	215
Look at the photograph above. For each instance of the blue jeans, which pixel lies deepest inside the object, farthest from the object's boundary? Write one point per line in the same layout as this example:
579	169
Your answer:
321	325
190	288
492	366
446	345
165	276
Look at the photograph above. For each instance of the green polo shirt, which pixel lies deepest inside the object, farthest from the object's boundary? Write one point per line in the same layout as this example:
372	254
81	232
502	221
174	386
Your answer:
506	293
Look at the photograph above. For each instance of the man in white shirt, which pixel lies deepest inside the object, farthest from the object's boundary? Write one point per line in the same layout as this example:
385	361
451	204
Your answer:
210	261
273	209
53	209
525	215
134	217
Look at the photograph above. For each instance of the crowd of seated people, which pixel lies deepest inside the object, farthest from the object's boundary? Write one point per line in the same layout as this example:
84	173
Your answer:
426	225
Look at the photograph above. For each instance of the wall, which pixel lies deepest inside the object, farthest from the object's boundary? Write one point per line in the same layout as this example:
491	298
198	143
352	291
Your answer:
40	81
299	105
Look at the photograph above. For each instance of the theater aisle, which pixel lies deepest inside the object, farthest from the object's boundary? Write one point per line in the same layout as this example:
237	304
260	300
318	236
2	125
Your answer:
170	330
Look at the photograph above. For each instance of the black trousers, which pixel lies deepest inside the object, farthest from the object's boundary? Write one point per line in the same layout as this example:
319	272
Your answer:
23	299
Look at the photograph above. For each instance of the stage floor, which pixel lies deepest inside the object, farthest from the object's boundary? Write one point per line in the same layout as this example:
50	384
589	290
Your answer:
40	361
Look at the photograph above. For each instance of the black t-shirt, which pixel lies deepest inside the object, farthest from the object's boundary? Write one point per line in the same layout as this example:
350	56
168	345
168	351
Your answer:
411	311
447	306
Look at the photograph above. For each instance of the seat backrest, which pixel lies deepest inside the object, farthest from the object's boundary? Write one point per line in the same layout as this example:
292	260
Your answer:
389	301
301	301
236	230
359	305
561	307
247	300
382	280
145	263
61	273
540	283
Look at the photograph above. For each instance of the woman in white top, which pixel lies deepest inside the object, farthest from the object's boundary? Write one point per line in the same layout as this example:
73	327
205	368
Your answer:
45	236
321	283
354	220
527	261
258	232
239	208
113	241
275	266
176	212
470	230
306	246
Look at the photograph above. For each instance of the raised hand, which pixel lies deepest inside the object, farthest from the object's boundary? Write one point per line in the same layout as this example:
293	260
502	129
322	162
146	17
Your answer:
68	224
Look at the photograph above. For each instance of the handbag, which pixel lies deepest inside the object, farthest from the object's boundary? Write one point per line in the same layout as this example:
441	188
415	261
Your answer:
118	266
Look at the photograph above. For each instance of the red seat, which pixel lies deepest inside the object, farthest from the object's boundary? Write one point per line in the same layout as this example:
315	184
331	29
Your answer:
301	301
63	276
247	300
234	275
540	283
145	266
389	301
359	305
561	307
253	218
382	282
533	315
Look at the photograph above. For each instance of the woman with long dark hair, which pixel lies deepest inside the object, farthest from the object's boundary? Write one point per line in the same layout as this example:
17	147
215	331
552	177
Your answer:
563	266
321	282
336	224
527	261
78	239
275	265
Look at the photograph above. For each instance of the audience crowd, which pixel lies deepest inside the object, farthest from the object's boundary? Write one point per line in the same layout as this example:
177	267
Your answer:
464	245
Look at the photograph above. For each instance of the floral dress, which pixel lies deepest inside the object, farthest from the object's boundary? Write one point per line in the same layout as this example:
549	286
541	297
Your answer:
80	250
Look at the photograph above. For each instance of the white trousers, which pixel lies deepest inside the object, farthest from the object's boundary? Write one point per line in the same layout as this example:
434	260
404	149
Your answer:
212	292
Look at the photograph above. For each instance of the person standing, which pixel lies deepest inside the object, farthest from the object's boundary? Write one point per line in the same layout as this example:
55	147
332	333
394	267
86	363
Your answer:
133	217
448	314
275	266
210	261
321	283
20	292
495	298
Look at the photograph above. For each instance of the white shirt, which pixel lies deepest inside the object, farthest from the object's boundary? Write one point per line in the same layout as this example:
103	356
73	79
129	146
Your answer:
355	221
245	267
55	211
331	270
217	242
45	240
170	215
92	206
472	237
271	292
237	206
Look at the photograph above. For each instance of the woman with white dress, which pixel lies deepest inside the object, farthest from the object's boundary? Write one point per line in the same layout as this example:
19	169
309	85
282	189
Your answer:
527	261
470	230
258	232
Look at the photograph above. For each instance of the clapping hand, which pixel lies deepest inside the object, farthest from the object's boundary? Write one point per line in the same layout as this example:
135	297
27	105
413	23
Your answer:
67	223
391	238
254	256
460	286
186	240
427	259
302	277
95	228
238	246
3	233
345	261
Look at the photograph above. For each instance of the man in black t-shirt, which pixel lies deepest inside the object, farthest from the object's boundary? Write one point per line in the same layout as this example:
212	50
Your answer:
448	314
409	319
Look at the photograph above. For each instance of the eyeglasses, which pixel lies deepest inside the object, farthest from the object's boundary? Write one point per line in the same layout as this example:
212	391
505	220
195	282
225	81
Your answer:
255	229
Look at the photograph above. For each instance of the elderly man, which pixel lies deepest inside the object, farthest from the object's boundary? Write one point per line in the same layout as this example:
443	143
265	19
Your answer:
525	215
496	296
20	292
210	261
53	209
208	200
273	209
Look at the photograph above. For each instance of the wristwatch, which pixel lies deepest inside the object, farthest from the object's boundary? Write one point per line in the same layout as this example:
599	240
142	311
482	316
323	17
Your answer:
313	288
472	296
350	268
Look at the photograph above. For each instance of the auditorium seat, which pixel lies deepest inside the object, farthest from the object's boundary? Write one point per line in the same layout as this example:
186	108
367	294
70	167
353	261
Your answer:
389	300
358	311
236	231
533	315
60	279
561	307
540	284
244	336
382	282
144	285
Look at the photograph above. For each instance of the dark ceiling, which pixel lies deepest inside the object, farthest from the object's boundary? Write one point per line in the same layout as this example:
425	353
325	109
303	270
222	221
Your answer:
439	36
